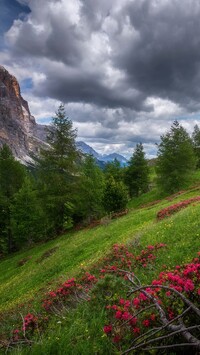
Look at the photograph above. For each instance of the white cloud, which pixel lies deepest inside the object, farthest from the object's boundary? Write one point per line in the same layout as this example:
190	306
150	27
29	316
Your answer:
164	107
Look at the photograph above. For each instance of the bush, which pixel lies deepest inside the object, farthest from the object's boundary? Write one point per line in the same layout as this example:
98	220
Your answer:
115	196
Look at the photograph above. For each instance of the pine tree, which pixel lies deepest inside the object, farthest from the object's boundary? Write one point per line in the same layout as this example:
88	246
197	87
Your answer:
115	196
114	169
196	143
90	190
58	169
12	175
137	173
27	217
176	159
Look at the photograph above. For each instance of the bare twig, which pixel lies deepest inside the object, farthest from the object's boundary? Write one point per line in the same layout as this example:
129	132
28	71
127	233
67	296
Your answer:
168	325
184	299
161	328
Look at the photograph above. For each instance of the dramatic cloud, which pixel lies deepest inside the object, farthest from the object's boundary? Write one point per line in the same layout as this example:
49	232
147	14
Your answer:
125	69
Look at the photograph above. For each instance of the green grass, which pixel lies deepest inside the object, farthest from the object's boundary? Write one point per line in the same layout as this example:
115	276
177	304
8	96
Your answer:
19	284
81	329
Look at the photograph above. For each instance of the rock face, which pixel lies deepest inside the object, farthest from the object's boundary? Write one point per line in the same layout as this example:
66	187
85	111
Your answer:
18	128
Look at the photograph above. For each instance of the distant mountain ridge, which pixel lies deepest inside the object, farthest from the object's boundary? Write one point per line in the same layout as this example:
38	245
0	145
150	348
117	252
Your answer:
85	148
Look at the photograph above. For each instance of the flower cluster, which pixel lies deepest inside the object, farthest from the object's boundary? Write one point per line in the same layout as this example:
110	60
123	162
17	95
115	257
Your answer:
129	318
183	279
30	322
126	317
168	211
122	258
68	290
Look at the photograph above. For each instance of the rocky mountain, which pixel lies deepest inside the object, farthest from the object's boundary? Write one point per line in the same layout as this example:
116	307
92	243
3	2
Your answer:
19	130
105	158
18	127
86	149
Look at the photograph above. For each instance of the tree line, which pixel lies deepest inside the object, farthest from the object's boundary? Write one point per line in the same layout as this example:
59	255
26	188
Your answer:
66	187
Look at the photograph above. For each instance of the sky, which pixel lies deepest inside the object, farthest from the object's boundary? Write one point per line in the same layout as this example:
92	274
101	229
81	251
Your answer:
125	69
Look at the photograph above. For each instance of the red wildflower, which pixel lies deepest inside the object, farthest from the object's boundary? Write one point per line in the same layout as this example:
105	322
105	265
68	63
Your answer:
107	328
116	339
136	330
136	302
146	322
118	314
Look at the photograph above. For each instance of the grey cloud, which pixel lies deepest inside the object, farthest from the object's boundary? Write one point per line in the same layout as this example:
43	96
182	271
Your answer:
58	41
165	59
94	12
79	86
114	57
159	56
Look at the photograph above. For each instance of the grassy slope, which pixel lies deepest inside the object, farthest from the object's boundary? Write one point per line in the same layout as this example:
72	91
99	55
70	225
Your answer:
19	284
81	249
80	331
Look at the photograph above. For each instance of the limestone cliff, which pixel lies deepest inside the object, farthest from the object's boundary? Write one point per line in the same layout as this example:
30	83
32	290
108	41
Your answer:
18	128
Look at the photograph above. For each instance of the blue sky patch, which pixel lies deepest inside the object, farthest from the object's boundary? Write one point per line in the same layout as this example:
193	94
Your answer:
26	84
9	11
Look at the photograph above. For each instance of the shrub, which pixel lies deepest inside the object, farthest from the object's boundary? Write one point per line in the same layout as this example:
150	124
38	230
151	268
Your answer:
168	211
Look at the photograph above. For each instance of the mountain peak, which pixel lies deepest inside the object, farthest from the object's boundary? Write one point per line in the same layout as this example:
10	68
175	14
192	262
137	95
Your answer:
18	128
85	148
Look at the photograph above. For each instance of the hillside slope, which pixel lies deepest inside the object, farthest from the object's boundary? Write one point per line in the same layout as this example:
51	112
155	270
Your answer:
27	276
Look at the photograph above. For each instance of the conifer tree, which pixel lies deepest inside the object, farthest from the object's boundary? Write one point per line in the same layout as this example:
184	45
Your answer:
137	173
114	169
115	197
196	144
58	168
90	190
27	217
12	175
176	159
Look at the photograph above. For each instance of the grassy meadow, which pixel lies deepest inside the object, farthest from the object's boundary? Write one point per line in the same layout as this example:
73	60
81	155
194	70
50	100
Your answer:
25	277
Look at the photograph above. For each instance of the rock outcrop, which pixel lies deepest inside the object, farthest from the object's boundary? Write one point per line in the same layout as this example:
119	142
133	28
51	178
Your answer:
18	128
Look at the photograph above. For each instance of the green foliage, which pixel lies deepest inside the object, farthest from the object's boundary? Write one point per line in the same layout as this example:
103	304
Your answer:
68	220
137	173
196	143
58	169
27	217
176	159
89	190
115	196
12	175
113	169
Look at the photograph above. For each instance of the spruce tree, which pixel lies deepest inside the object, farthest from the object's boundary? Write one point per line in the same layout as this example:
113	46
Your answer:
27	217
12	175
115	197
137	173
176	159
57	168
89	192
196	144
114	169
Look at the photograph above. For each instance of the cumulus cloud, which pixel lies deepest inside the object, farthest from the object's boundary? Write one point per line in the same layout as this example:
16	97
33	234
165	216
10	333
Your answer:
125	69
